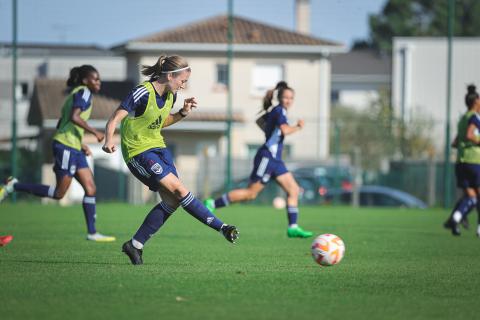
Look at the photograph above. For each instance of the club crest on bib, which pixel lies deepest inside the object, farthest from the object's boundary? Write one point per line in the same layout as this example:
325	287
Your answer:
156	168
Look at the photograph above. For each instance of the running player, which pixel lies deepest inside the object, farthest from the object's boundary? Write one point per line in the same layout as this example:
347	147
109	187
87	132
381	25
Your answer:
467	168
143	114
68	150
268	163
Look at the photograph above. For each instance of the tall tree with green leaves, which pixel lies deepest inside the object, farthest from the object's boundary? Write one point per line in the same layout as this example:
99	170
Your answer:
420	18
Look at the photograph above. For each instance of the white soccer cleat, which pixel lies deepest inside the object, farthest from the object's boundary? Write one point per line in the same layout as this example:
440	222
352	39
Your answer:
7	188
98	237
10	183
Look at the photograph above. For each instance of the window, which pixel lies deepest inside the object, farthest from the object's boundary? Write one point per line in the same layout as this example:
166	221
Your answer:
222	74
21	91
265	77
335	97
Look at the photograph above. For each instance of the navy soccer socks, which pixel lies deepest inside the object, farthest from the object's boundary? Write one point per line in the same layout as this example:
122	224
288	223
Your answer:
40	190
194	207
152	223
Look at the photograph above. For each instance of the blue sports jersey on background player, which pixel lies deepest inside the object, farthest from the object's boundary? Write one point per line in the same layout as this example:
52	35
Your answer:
268	163
467	167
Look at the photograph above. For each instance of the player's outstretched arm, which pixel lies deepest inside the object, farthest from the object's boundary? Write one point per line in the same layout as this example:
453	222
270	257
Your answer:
188	105
287	129
115	118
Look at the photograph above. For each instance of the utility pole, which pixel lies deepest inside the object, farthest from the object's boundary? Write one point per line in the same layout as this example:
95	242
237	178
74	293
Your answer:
447	170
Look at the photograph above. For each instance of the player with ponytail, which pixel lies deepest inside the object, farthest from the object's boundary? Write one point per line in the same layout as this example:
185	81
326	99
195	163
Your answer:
69	151
143	114
268	163
467	168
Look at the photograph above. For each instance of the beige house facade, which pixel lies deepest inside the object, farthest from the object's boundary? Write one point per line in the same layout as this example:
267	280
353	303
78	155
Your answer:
263	55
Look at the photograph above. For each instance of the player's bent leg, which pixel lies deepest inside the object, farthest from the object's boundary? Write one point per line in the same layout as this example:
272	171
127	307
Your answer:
85	177
290	186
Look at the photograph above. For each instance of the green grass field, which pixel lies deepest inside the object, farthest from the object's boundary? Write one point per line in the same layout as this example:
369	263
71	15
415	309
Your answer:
399	264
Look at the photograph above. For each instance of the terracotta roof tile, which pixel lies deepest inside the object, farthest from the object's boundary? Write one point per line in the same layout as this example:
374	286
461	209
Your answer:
214	30
49	95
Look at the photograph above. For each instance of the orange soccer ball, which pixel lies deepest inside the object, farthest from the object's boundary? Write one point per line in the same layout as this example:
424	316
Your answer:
328	249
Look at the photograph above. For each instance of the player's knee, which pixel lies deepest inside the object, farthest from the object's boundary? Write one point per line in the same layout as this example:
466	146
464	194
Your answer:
294	191
252	195
90	189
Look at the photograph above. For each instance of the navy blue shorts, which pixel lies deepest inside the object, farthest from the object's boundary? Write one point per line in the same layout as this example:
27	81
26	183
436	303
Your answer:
67	160
468	175
266	167
151	166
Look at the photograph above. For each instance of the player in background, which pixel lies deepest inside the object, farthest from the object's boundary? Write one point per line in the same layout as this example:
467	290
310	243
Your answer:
4	240
467	167
68	150
143	114
268	163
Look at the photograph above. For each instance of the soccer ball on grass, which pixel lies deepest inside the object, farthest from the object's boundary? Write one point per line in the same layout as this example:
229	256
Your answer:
328	249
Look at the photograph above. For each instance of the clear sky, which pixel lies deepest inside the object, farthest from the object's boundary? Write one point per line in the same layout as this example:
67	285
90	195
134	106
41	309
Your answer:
109	22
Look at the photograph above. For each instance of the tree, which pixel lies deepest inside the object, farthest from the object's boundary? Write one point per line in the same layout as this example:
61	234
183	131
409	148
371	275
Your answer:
421	18
380	135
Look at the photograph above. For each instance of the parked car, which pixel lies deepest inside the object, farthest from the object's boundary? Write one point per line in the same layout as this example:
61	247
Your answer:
377	196
316	181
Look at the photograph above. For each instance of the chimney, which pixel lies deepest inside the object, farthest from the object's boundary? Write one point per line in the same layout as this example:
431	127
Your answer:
302	16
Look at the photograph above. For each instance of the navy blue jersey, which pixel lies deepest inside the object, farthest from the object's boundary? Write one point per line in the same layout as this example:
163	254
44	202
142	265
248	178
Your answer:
475	120
273	135
82	99
136	101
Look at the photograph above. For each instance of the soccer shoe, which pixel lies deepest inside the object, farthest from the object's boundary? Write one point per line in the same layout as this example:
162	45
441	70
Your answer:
230	232
98	237
7	188
133	253
210	204
3	193
10	183
4	240
297	232
465	224
450	224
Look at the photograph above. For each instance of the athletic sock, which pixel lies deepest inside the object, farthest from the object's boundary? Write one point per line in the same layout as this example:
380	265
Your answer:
292	215
152	223
463	207
223	201
89	209
40	190
194	207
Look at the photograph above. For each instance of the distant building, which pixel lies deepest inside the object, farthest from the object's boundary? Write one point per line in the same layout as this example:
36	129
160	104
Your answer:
52	61
263	55
419	81
359	76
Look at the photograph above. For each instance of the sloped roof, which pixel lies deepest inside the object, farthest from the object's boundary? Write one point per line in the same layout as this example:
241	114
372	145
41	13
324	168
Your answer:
361	61
214	31
49	95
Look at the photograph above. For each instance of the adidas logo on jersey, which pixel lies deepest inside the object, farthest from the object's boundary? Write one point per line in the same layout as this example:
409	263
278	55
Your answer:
156	124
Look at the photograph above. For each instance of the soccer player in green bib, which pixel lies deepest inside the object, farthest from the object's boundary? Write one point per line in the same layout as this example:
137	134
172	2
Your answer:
143	114
68	150
467	167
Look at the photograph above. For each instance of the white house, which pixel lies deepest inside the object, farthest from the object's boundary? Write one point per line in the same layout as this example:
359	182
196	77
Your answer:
419	80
